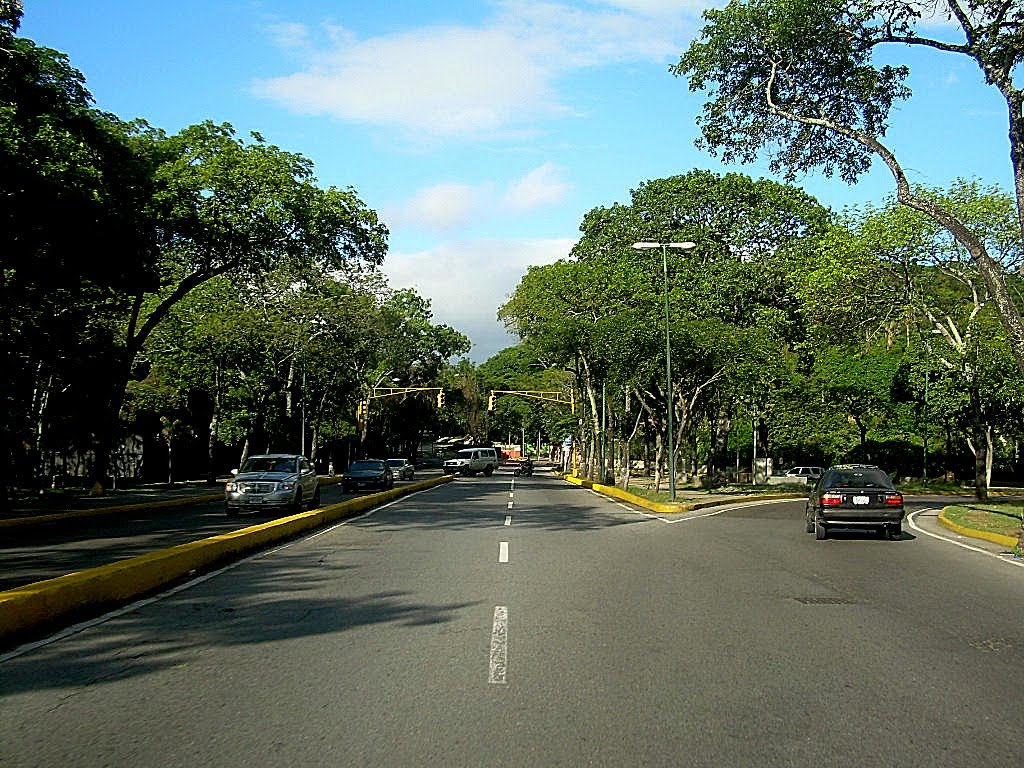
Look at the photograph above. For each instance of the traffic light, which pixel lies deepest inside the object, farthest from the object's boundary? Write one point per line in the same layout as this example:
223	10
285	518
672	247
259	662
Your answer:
440	398
490	401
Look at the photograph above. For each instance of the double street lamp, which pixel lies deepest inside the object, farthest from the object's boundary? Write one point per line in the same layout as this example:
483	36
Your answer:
646	246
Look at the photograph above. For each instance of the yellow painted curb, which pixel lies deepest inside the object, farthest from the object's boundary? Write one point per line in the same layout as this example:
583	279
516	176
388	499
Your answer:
996	538
35	608
81	514
671	508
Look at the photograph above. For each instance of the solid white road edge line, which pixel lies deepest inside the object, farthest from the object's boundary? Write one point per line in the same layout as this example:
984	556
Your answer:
716	511
67	632
498	665
919	529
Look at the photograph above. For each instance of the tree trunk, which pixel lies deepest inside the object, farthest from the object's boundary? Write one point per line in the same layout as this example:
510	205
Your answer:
979	446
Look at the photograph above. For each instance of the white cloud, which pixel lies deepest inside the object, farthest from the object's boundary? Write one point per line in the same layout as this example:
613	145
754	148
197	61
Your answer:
449	205
467	281
541	186
468	81
440	207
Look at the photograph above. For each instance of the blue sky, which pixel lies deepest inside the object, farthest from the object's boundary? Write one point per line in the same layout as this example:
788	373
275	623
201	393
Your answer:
481	132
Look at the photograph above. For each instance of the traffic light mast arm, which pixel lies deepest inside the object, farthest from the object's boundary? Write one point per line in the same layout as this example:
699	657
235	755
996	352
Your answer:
380	392
548	396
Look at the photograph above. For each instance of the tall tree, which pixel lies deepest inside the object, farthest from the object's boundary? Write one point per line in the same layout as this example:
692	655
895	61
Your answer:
225	206
798	79
60	161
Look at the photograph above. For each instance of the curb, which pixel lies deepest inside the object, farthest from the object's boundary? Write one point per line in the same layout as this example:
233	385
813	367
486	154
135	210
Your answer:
671	508
47	605
82	514
995	538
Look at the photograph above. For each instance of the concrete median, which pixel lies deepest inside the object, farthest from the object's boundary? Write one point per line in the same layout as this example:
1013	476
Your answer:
34	609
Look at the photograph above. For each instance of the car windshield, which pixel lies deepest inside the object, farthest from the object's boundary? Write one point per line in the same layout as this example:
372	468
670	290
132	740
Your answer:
361	465
268	464
396	462
857	478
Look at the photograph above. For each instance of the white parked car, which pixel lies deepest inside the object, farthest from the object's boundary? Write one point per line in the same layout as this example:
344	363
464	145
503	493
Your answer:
809	474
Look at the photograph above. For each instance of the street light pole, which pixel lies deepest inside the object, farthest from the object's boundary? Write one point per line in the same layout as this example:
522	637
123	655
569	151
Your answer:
646	246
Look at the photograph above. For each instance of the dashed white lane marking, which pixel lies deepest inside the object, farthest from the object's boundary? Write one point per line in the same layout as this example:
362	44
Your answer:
498	667
503	552
508	520
510	505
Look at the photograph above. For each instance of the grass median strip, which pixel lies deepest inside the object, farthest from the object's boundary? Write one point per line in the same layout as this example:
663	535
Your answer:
999	518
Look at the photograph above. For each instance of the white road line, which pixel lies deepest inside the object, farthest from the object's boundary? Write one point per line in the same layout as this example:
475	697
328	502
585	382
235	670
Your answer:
138	604
498	667
688	516
503	552
508	520
919	529
510	505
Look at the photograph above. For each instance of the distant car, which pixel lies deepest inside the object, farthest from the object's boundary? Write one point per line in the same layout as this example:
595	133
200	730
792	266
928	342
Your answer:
367	473
401	469
855	496
809	473
273	481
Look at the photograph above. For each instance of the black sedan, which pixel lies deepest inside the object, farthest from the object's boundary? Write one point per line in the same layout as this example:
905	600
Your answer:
367	473
855	496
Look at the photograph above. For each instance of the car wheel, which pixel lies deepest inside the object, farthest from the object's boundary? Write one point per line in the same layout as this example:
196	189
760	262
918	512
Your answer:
895	532
296	505
315	501
230	511
488	470
820	531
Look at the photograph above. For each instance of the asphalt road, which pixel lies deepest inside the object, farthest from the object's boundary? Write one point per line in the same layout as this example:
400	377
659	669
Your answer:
37	552
529	622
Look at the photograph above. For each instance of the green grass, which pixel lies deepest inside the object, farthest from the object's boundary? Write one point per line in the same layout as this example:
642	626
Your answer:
994	517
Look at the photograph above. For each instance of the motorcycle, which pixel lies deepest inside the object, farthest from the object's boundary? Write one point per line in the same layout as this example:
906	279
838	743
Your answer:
524	468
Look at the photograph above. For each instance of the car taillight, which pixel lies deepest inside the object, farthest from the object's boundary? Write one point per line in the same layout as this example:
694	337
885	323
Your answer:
894	499
831	499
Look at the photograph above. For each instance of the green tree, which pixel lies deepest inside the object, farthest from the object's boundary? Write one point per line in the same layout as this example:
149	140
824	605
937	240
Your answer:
798	79
230	207
601	315
60	161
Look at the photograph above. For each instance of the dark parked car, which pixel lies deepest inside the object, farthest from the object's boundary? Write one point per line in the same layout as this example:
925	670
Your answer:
273	481
402	469
367	473
855	496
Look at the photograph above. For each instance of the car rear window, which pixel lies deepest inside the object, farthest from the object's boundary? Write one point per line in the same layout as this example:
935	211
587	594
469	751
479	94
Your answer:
857	478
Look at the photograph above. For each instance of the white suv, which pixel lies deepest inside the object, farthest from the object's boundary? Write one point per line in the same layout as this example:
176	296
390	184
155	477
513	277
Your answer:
809	474
469	461
273	481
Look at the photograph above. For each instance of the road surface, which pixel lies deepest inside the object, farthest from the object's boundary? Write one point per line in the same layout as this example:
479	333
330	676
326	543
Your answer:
527	622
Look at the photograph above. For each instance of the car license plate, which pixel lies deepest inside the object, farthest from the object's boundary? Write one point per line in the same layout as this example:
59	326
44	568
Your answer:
254	500
861	499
